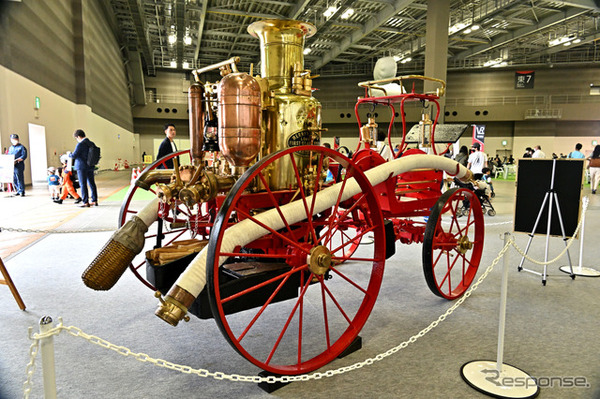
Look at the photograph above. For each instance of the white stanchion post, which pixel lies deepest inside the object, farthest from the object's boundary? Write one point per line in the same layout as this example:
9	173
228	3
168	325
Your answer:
580	270
47	352
499	379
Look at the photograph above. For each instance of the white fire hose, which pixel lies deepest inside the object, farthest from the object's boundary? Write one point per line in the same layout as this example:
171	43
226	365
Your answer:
193	279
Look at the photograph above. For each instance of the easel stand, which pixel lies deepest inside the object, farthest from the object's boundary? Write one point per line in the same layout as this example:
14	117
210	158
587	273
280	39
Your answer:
549	198
499	379
580	270
8	281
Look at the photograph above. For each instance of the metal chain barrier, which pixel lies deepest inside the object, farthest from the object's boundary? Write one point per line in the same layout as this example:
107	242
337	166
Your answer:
142	357
18	230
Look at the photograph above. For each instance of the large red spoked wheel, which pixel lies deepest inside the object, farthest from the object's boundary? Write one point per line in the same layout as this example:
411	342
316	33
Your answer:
176	214
453	244
315	296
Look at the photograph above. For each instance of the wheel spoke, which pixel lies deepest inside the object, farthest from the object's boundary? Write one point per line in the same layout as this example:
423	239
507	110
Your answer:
337	202
325	318
276	205
316	185
358	236
342	275
289	319
333	226
337	304
275	232
264	283
263	307
250	255
303	195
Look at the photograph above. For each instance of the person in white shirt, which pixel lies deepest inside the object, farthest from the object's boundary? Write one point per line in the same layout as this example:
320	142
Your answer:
538	153
382	146
477	161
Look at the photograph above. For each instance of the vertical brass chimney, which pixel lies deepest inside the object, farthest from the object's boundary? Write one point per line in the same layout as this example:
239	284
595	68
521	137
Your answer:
293	117
281	47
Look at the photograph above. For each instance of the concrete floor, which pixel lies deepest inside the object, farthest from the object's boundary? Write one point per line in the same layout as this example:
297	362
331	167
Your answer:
551	330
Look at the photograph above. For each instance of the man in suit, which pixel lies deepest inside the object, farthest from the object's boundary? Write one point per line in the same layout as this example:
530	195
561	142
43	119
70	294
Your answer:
167	146
85	173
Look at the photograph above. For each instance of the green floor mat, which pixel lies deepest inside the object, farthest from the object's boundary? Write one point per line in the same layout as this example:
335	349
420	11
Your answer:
140	195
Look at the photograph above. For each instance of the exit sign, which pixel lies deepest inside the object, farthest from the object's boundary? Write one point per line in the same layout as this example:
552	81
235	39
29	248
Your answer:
36	103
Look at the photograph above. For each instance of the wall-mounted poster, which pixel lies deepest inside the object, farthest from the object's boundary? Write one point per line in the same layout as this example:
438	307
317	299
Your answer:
524	79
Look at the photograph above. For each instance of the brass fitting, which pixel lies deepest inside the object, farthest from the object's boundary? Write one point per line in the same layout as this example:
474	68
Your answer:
173	308
150	177
206	188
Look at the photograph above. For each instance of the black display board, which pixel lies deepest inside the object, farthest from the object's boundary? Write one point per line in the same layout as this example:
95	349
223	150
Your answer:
534	181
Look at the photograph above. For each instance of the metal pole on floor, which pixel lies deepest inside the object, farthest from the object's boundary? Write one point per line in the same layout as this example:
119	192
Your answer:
580	270
499	379
47	352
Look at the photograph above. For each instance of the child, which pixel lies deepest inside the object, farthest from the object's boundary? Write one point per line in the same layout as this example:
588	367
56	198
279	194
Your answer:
487	177
53	183
67	187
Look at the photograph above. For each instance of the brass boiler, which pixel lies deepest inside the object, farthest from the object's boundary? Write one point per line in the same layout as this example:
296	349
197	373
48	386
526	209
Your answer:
239	120
291	116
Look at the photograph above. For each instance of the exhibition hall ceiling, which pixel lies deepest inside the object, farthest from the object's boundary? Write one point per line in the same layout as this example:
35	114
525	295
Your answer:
353	34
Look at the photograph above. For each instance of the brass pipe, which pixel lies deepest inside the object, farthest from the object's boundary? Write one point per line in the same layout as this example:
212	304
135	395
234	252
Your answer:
232	62
196	122
439	92
150	177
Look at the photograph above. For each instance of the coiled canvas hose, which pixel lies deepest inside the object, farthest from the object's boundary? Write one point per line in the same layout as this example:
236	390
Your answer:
193	279
118	253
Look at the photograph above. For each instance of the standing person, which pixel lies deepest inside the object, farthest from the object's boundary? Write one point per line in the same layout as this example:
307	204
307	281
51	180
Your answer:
538	153
528	152
85	173
477	161
53	183
577	154
595	168
382	148
463	156
167	146
20	153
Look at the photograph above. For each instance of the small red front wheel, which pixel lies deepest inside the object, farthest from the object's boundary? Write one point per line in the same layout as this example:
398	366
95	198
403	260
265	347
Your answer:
452	245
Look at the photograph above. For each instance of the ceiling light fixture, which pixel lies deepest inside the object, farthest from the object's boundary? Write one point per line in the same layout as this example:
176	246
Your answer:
173	64
330	11
348	13
408	59
172	38
185	65
307	50
187	40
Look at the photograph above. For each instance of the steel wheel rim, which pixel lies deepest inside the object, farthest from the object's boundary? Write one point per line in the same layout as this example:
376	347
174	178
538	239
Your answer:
449	264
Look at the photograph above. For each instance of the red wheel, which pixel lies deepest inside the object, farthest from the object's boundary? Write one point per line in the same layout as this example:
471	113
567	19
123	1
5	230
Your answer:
453	244
171	228
313	297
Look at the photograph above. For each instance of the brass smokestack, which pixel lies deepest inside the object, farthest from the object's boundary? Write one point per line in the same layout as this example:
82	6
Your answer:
281	47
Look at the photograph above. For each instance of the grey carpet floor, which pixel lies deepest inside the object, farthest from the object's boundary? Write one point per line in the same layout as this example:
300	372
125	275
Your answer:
551	330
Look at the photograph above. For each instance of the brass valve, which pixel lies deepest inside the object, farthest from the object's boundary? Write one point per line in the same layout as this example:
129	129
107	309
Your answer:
368	132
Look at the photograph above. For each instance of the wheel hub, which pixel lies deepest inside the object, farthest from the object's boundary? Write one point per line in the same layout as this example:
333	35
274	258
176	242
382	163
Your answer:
464	244
319	260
